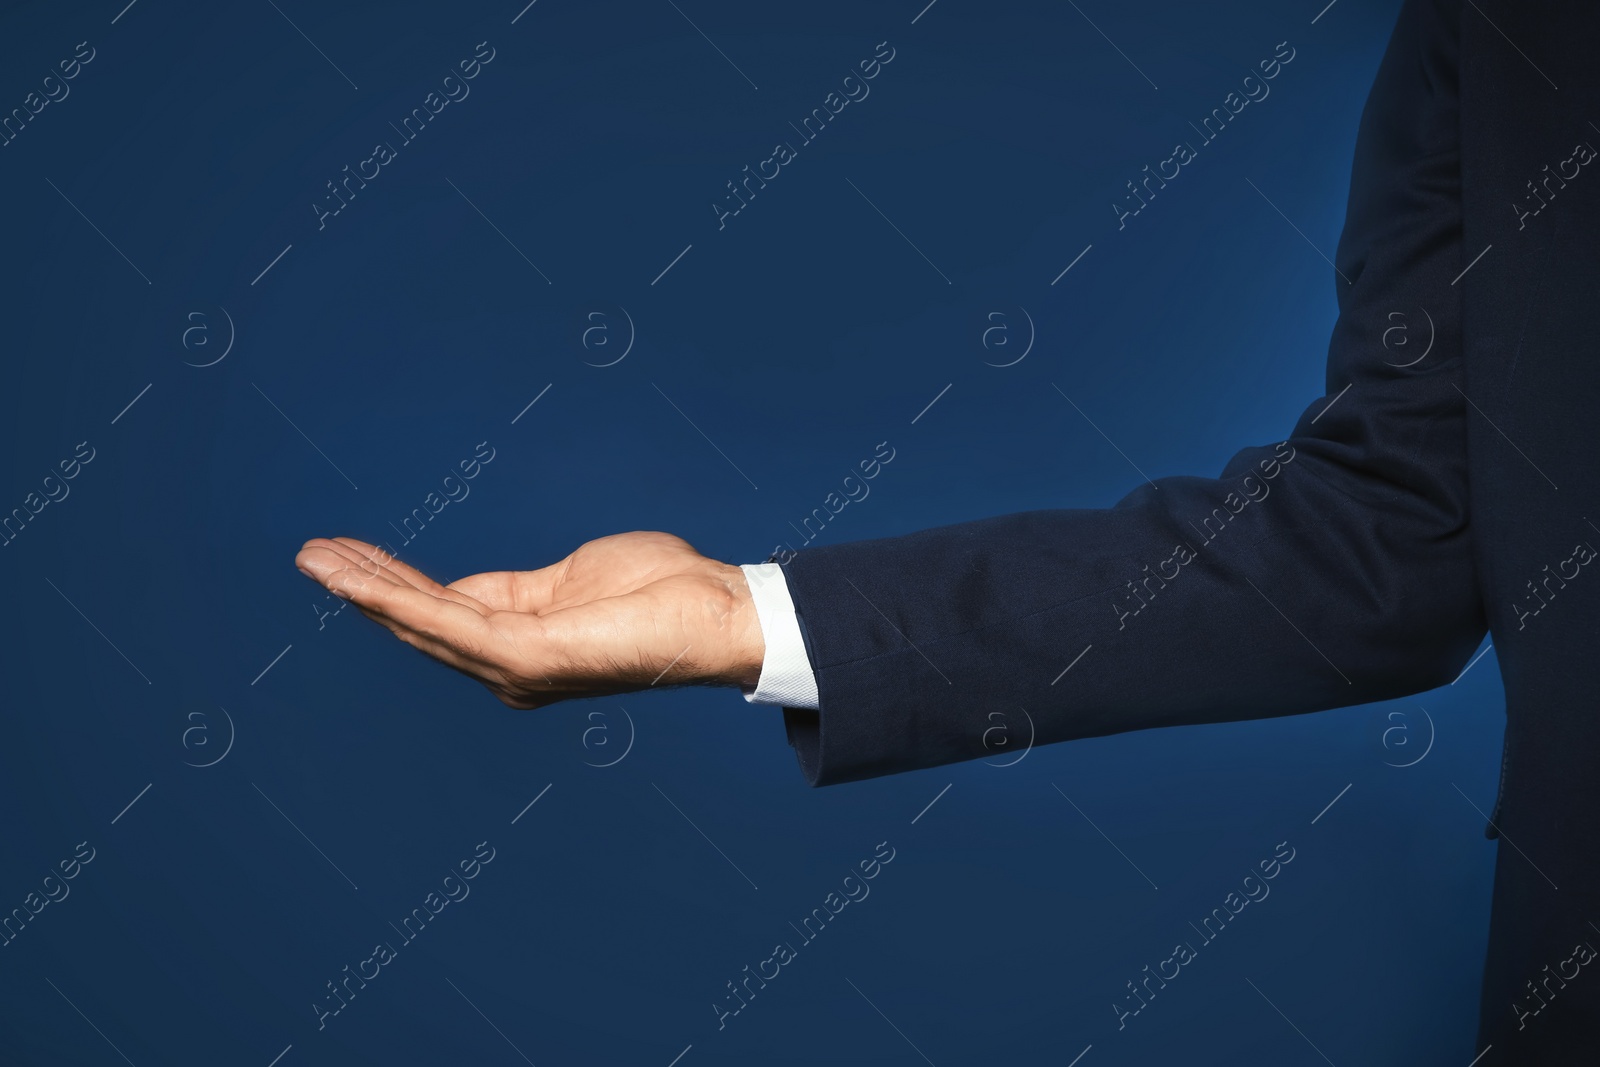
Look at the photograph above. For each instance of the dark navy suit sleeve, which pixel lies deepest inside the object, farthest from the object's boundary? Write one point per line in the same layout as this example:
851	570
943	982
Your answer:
1330	569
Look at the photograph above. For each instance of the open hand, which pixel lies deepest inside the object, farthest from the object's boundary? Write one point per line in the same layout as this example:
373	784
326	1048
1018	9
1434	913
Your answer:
621	613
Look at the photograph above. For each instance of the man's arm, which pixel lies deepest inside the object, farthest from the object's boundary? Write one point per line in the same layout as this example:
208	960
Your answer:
1332	569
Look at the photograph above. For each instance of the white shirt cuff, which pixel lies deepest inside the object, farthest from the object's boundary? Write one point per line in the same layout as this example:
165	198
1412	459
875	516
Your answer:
786	675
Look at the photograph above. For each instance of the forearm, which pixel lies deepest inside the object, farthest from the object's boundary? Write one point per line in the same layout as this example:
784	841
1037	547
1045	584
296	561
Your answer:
1194	602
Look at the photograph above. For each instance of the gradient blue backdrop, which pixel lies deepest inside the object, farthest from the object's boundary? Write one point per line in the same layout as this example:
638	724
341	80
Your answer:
381	349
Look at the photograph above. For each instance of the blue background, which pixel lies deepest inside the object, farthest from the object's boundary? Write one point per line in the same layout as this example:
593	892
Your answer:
796	338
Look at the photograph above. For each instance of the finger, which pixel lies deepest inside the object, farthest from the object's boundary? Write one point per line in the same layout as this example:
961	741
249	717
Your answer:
496	589
506	686
348	556
321	559
606	566
346	570
377	558
436	649
416	610
446	626
454	634
501	660
526	591
371	556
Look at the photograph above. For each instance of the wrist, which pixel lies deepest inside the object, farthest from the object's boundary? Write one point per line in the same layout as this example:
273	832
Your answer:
739	639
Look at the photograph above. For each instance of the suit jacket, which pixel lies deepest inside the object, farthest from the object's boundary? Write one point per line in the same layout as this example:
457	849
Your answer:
1416	504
